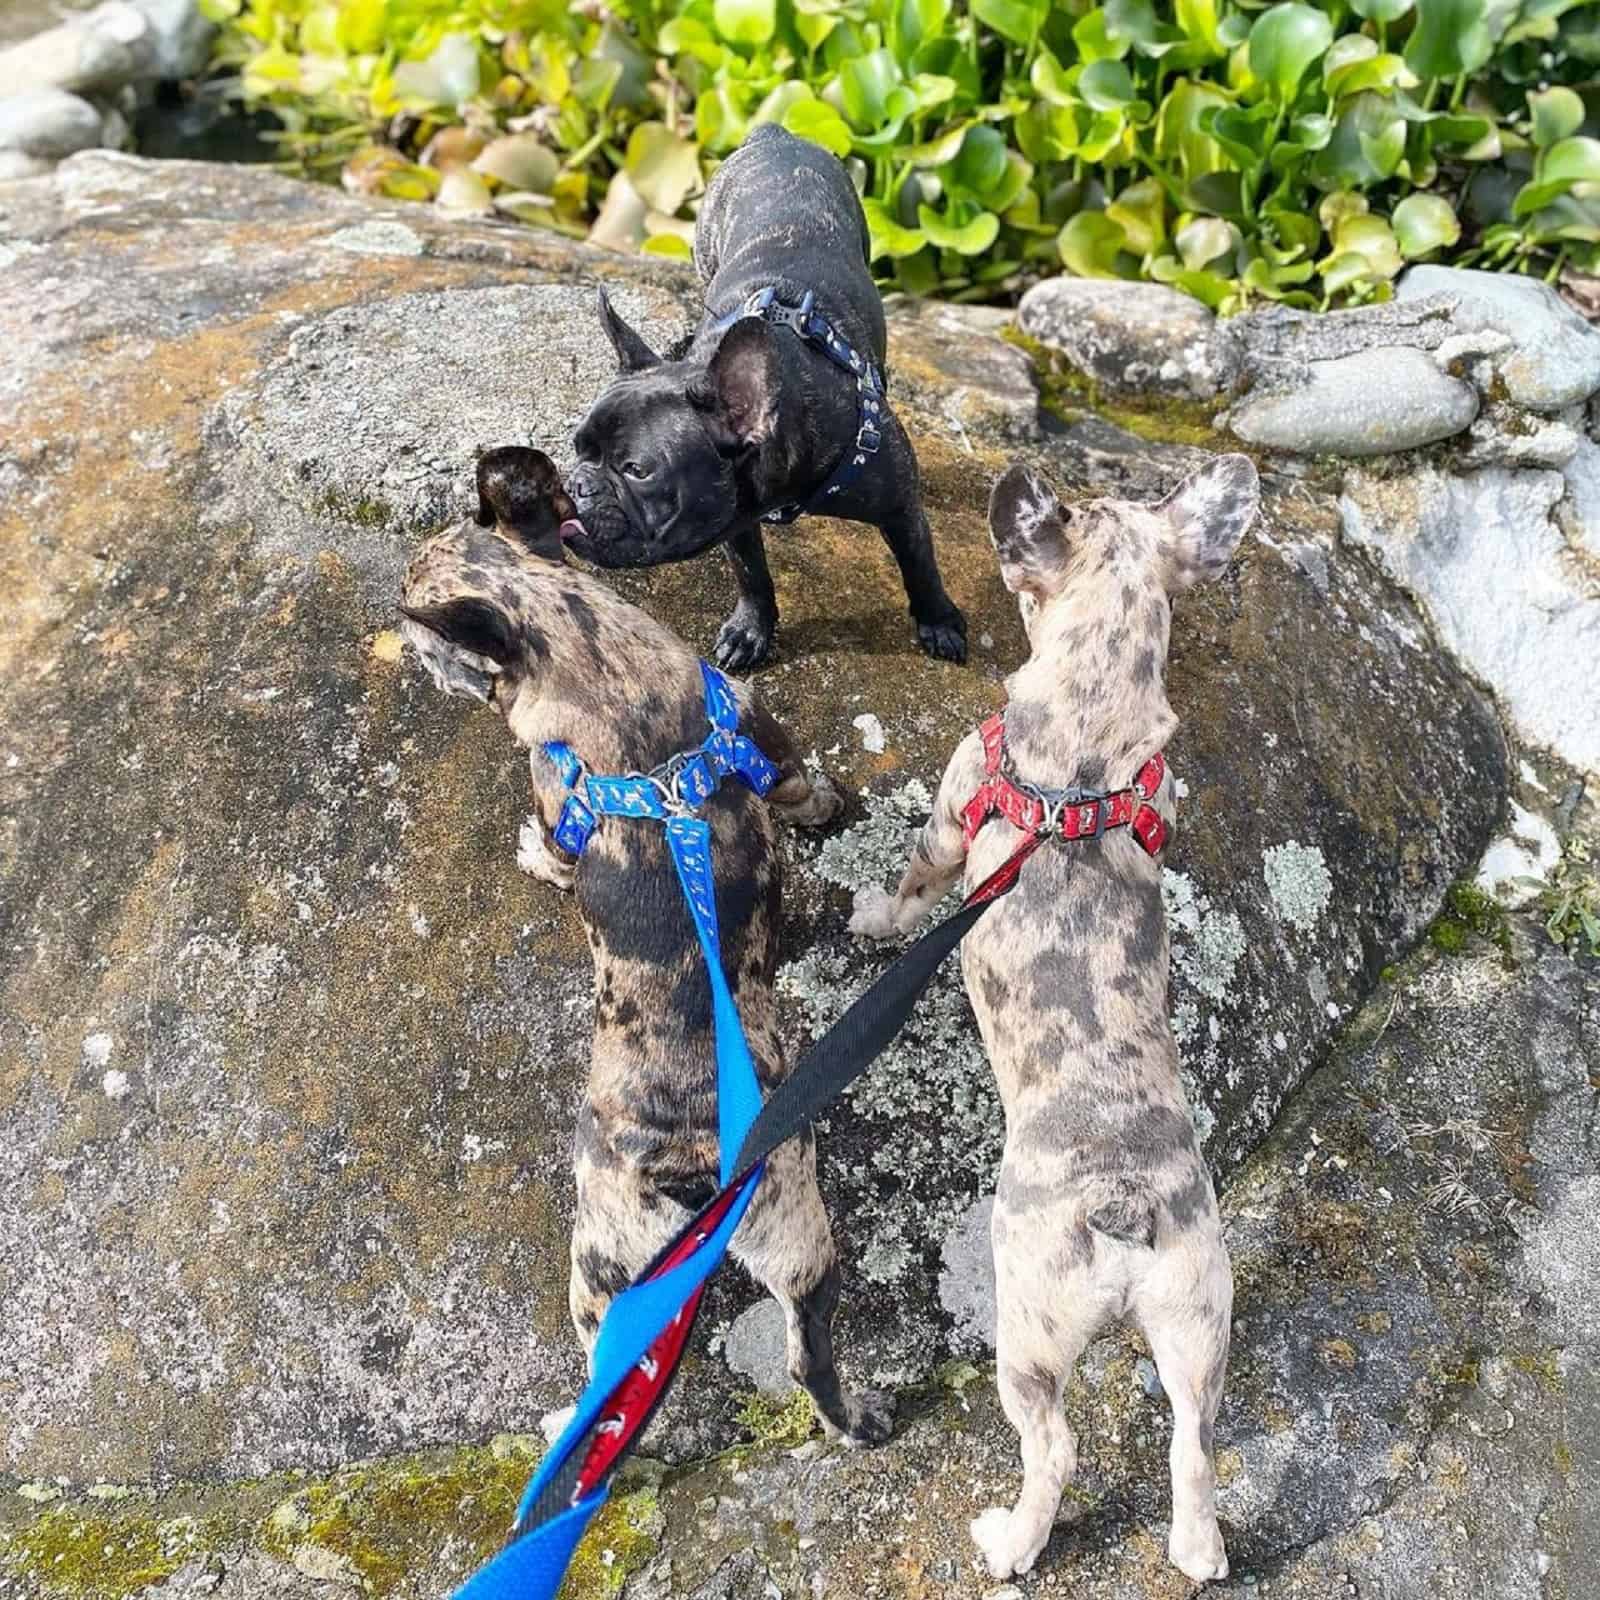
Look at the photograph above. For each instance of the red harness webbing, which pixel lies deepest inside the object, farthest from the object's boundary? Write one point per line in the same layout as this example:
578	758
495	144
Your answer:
1086	819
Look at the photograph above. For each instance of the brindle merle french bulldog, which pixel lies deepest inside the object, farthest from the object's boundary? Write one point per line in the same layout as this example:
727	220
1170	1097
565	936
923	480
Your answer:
495	614
687	452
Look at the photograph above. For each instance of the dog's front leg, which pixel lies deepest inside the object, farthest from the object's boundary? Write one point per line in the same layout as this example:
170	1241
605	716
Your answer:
745	639
941	628
937	859
537	852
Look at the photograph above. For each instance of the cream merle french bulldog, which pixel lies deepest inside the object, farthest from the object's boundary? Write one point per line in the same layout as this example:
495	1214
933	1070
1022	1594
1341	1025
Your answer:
1104	1207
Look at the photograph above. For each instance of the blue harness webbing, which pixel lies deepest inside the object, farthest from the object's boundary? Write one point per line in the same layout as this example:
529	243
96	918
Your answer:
872	390
647	1325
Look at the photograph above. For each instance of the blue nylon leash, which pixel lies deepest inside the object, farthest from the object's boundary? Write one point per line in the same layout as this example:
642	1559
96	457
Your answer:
648	1323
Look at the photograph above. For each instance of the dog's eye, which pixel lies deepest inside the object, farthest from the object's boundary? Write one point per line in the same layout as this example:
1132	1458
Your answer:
632	469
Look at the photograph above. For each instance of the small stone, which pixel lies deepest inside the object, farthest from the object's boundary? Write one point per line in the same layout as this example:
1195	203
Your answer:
96	1050
1484	556
114	1085
1372	403
757	1347
554	1423
180	37
966	1276
1554	359
47	124
1144	1369
1144	337
1006	1591
871	732
1514	864
40	1493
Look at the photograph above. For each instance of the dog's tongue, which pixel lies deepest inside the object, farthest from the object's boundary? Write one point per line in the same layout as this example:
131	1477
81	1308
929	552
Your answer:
573	529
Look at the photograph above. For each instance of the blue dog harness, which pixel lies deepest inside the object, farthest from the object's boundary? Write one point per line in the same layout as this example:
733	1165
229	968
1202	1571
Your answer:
809	324
647	1326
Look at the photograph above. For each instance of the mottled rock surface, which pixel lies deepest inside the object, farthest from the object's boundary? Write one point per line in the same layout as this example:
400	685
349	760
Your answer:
1412	1388
289	1050
1143	337
1488	555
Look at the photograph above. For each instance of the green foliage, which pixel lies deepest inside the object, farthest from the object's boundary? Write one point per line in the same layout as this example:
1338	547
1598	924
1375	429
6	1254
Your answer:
1571	900
778	1422
1468	911
1292	152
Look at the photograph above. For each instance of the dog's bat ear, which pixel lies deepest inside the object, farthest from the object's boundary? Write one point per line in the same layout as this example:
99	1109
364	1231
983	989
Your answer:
463	643
471	624
633	354
1029	530
742	383
1207	515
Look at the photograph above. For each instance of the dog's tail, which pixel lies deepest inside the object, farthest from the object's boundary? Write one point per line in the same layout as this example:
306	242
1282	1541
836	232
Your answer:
1123	1209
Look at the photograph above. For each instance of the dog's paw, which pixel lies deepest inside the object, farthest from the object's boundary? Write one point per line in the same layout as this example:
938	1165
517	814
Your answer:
538	860
873	914
1197	1552
944	639
1008	1547
871	1419
824	803
744	641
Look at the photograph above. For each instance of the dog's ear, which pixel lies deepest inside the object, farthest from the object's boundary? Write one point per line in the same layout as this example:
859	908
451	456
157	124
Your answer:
1029	529
465	644
633	354
741	386
1207	515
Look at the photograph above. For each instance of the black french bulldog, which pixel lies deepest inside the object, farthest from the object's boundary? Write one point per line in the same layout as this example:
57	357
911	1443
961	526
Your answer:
684	453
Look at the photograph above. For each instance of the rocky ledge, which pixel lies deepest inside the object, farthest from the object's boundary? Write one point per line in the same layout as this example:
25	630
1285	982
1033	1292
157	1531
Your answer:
289	1050
1460	418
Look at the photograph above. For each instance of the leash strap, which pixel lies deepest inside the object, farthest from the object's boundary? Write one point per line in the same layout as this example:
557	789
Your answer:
647	1326
810	326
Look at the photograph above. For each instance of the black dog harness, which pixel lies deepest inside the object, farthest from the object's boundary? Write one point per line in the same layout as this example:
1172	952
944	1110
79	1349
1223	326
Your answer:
809	324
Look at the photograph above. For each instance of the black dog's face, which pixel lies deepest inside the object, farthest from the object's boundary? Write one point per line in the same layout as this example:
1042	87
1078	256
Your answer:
650	484
666	454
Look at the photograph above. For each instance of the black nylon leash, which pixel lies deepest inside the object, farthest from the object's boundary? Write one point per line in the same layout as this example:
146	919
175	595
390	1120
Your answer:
866	1029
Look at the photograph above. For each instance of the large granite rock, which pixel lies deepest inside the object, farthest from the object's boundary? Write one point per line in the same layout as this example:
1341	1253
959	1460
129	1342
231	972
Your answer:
1503	563
289	1050
1412	1388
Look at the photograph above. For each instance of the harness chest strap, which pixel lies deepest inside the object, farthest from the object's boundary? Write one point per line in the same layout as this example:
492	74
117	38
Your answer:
1071	813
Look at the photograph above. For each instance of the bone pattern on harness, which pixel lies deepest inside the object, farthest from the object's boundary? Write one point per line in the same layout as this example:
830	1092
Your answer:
682	783
1084	817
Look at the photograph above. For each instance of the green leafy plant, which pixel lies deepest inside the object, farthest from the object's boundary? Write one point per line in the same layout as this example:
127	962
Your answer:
1291	152
1571	899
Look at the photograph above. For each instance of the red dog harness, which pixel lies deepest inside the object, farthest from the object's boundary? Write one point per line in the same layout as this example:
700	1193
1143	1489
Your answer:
1073	813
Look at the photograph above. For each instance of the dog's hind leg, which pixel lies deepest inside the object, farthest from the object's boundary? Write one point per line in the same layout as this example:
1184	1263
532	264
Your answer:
786	1243
745	639
622	1224
1050	1303
1189	1343
1038	1343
